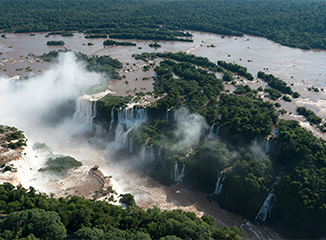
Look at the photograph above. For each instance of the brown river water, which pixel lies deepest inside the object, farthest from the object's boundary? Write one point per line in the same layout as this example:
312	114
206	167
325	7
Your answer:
301	68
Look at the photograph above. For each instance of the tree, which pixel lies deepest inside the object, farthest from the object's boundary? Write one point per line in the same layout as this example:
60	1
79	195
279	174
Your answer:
42	224
89	233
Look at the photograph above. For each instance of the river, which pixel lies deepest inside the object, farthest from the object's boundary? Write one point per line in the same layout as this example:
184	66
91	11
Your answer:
301	68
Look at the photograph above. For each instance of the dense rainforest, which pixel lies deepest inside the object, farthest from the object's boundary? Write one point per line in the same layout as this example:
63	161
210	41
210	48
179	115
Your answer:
239	143
29	214
294	23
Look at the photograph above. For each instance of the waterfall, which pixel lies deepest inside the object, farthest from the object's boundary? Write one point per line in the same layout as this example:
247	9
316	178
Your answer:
175	116
217	134
128	119
266	209
219	182
211	132
23	165
111	123
142	153
167	114
152	154
176	176
265	145
85	110
159	154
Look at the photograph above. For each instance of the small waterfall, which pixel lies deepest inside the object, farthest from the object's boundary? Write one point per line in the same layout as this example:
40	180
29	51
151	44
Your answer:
152	154
211	132
266	209
219	182
217	134
265	145
167	114
176	176
159	154
142	153
175	116
111	123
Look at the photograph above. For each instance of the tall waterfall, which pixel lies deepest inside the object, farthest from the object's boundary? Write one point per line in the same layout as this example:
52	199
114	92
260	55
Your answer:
266	209
176	175
159	154
111	123
167	114
211	132
217	134
152	157
85	110
219	182
142	153
128	118
265	145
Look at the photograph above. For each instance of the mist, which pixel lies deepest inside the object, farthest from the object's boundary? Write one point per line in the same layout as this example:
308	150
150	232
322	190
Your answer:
191	127
41	106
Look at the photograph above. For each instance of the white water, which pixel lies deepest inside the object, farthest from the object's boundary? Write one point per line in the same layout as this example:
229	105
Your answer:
25	168
111	123
219	182
211	132
128	118
265	211
176	175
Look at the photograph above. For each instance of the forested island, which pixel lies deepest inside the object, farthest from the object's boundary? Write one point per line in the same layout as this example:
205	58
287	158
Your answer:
286	167
294	23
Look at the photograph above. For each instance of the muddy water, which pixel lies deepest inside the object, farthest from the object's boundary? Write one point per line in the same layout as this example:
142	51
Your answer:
149	193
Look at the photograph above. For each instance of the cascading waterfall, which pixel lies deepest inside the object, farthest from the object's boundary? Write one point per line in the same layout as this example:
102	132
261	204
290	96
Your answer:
211	132
219	183
152	157
85	110
23	165
128	118
167	114
265	145
176	175
266	209
111	123
142	153
217	134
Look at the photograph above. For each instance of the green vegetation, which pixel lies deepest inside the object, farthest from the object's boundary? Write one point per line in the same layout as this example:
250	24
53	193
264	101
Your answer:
55	43
275	83
112	42
12	137
295	23
310	115
32	214
155	45
233	67
58	164
104	105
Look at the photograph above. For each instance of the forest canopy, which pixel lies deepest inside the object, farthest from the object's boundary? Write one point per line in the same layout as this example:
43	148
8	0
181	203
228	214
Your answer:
294	23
